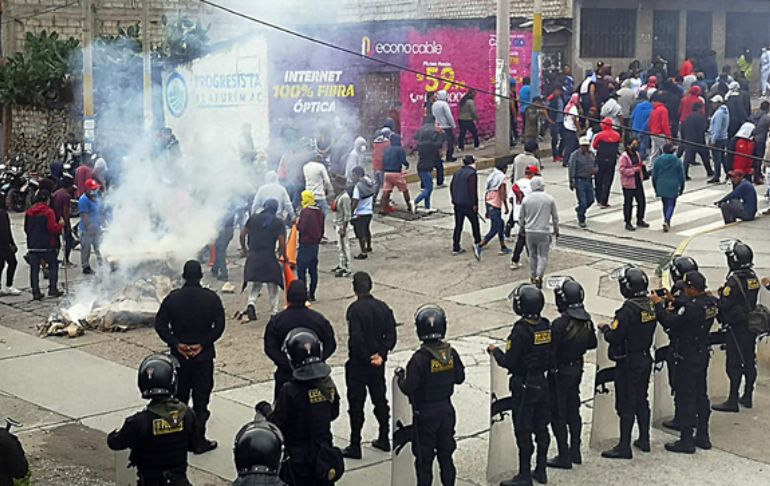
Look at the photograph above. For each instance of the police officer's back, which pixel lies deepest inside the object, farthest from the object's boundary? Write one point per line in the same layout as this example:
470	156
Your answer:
304	410
429	381
258	453
13	461
297	315
528	356
160	435
630	338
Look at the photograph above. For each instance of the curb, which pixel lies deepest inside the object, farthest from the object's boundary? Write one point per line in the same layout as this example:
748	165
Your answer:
680	249
481	164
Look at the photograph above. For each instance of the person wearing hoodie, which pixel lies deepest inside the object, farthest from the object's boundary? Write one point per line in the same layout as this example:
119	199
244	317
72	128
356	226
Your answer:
606	144
741	149
538	217
626	99
43	231
686	106
611	109
394	164
632	172
640	123
467	120
736	104
362	205
429	141
8	251
465	200
272	189
311	230
354	160
668	180
660	128
694	130
718	129
671	96
443	115
380	144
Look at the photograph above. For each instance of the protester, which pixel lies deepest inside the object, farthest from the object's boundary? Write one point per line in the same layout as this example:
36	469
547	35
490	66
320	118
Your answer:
90	208
354	160
520	189
741	149
61	204
362	204
554	115
651	87
762	121
528	158
741	203
444	119
587	92
429	141
688	103
668	181
311	230
380	144
467	120
271	189
394	164
611	109
718	130
632	176
101	172
532	120
343	213
570	128
537	218
736	105
626	100
660	127
671	96
745	64
465	201
83	173
258	241
640	123
582	169
606	144
8	251
495	197
190	320
317	181
694	130
222	241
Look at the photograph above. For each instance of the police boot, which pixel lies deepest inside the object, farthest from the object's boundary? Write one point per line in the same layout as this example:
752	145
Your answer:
574	446
623	449
518	480
540	475
643	442
746	399
382	443
731	404
562	460
353	451
702	439
685	444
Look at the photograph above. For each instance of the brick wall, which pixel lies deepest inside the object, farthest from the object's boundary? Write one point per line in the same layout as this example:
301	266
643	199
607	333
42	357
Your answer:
39	133
370	10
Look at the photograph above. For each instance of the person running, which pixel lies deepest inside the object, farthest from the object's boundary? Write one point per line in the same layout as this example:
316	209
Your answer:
582	169
311	232
668	181
496	197
538	216
632	176
465	200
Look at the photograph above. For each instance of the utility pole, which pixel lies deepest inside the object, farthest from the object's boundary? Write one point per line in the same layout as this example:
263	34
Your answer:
147	62
502	75
89	122
537	46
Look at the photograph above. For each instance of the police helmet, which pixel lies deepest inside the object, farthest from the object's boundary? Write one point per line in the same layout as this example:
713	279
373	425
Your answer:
739	255
569	298
157	376
305	353
258	448
430	320
681	265
633	283
528	300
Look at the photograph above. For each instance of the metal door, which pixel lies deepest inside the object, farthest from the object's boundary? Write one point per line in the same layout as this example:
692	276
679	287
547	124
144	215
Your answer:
698	39
379	94
665	36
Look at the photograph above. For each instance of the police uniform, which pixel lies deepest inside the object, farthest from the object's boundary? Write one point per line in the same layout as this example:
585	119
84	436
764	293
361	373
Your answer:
679	299
689	325
371	330
429	381
14	463
630	337
304	411
528	356
159	438
571	339
258	480
736	298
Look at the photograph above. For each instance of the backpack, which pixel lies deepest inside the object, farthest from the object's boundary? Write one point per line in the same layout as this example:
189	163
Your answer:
758	318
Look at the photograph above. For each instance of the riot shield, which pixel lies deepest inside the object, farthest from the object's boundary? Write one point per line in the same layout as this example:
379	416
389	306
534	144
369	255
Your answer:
124	476
605	423
503	453
663	398
718	383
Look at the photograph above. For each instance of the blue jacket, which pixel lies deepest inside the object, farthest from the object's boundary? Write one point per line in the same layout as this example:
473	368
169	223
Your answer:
640	118
720	121
525	97
395	157
744	192
668	176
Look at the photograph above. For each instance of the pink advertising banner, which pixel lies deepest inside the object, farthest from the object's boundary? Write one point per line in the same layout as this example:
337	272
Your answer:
464	57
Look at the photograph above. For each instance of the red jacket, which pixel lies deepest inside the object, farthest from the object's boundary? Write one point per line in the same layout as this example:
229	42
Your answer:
741	162
607	135
41	228
685	106
659	124
687	68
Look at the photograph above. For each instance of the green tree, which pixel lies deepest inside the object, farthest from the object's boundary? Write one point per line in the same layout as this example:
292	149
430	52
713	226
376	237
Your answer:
184	40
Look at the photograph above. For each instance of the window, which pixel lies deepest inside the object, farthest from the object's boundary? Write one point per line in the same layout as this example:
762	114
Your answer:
607	32
743	30
698	39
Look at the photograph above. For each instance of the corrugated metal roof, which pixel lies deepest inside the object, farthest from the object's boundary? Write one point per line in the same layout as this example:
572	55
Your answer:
371	10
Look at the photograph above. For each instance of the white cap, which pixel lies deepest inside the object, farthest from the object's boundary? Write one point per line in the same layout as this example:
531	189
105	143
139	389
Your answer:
585	140
717	99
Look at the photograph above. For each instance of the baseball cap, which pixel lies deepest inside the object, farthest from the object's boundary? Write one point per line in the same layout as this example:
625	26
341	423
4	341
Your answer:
737	173
532	169
695	279
584	141
92	185
717	99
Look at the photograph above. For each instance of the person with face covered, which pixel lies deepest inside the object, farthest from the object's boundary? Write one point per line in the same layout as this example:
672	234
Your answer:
272	189
89	205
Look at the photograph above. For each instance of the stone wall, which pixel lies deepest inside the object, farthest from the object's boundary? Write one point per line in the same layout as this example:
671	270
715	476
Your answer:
39	133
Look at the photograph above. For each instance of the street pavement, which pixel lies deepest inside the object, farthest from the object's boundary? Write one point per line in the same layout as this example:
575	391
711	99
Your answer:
91	380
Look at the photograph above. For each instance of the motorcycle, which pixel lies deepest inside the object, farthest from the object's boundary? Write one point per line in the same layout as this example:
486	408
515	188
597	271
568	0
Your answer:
12	181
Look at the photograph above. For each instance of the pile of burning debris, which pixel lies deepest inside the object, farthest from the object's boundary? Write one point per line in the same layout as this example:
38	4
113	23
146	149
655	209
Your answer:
116	307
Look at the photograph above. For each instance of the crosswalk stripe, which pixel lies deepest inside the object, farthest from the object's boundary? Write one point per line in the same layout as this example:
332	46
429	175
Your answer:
618	215
687	216
710	194
702	228
656	206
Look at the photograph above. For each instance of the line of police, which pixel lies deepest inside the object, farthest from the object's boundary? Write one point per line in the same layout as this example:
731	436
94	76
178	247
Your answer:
545	362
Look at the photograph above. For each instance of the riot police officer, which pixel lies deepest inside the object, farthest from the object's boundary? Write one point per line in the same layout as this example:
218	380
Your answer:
258	453
429	381
737	298
160	435
304	410
573	334
630	338
528	356
690	325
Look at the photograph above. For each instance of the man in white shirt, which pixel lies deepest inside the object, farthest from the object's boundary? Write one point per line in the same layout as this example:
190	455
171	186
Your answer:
317	181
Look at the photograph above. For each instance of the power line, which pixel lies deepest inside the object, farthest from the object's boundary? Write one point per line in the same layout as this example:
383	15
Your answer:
399	67
48	10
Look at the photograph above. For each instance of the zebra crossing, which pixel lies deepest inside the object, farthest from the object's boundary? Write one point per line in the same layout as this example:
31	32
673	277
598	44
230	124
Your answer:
694	212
